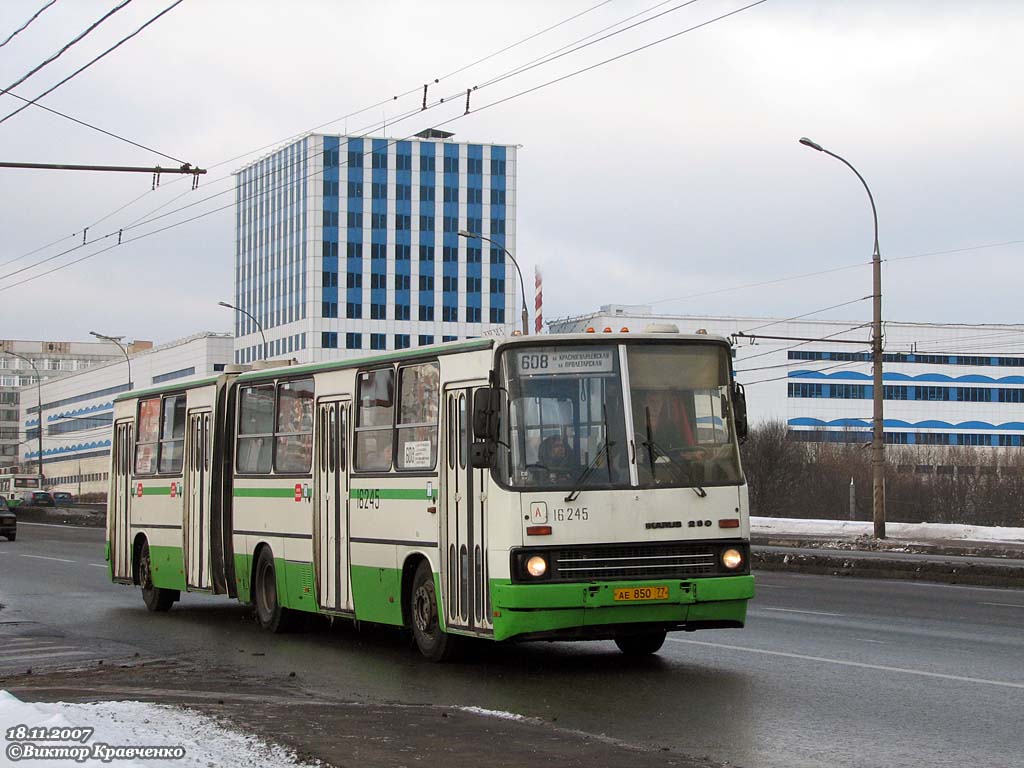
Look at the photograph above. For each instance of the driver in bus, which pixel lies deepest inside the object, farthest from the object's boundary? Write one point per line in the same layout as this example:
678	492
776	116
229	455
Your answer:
556	454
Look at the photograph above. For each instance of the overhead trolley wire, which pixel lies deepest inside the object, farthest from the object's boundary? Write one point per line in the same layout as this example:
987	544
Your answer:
497	102
295	136
24	26
53	57
806	314
84	67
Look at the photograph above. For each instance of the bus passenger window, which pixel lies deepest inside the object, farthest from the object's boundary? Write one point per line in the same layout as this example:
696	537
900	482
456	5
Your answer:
148	436
375	420
419	391
172	438
294	435
255	429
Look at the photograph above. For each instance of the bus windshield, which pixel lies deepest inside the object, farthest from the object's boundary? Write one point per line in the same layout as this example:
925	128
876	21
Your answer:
572	423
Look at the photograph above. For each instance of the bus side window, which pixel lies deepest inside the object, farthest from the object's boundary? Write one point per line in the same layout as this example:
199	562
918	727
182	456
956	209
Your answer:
172	437
293	445
419	392
147	436
255	429
374	431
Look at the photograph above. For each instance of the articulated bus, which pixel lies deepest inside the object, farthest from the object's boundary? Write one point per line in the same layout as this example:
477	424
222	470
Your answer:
14	486
565	487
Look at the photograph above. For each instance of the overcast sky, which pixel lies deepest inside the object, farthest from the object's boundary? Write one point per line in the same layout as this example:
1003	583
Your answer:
671	173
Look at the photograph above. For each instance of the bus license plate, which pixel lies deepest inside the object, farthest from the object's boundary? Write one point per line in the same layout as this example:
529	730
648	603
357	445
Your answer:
641	593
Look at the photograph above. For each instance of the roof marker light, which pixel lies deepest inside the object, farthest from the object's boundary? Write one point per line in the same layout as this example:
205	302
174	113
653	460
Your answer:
607	329
590	329
624	329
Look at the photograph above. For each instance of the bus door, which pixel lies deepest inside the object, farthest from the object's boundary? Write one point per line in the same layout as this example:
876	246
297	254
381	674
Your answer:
464	570
119	534
196	522
330	528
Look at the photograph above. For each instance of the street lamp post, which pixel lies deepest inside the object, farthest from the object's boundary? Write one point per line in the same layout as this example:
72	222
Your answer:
251	317
522	287
877	434
122	347
39	410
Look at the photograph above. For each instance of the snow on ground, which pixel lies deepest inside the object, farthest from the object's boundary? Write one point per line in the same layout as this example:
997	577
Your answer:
782	526
130	724
494	713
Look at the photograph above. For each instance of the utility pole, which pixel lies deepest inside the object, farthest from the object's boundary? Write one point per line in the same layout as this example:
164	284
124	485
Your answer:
877	420
39	410
522	287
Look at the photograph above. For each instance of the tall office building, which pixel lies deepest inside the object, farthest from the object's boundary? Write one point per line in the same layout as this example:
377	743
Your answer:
348	245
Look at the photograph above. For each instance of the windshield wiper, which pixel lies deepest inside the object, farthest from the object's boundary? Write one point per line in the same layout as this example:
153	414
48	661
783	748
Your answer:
585	474
681	469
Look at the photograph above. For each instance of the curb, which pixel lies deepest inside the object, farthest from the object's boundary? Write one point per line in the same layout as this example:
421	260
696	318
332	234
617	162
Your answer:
978	575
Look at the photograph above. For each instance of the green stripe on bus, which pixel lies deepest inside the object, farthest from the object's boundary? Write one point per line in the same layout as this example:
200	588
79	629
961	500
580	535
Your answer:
264	493
409	494
157	490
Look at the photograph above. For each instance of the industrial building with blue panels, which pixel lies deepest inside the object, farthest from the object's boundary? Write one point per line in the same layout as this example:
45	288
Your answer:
944	384
346	245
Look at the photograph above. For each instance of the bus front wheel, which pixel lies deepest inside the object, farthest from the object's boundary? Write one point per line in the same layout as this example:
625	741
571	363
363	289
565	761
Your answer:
433	642
269	612
641	645
157	599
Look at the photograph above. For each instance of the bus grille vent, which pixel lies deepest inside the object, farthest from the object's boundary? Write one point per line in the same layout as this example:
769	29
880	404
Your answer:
638	561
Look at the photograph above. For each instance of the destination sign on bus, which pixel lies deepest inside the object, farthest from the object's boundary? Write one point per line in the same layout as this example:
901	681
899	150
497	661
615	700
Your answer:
554	362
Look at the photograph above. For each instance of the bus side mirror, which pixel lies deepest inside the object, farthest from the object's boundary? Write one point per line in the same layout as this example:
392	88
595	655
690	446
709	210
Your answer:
486	414
481	455
739	410
486	423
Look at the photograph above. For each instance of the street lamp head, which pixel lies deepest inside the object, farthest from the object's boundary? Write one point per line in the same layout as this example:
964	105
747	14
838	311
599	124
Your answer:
812	144
104	336
225	304
466	233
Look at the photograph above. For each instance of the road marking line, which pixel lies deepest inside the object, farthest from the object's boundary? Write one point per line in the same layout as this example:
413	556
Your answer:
59	525
19	643
9	659
55	559
1006	605
857	664
97	565
759	585
794	610
23	651
869	640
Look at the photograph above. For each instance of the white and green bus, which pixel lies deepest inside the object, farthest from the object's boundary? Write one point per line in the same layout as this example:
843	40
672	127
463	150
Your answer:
580	486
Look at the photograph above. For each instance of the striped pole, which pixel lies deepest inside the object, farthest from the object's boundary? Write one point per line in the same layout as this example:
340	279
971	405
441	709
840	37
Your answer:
538	301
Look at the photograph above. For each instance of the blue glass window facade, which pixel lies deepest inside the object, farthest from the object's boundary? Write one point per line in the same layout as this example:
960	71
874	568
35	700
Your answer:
496	300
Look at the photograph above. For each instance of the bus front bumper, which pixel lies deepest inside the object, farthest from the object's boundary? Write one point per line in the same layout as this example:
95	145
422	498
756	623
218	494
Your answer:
553	611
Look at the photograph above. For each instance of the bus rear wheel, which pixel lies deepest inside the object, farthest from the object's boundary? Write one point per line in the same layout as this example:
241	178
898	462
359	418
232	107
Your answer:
641	645
157	599
433	642
269	612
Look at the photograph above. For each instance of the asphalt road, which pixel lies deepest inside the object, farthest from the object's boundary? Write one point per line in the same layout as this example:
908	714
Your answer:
828	672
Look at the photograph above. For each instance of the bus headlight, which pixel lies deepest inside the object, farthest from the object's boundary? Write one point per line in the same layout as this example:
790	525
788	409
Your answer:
732	559
536	566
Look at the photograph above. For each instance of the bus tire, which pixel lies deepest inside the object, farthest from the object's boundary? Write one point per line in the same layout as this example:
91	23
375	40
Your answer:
433	642
269	612
157	599
641	645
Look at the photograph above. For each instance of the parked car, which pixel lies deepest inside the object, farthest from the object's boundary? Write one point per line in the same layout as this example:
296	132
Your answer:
63	499
8	521
37	499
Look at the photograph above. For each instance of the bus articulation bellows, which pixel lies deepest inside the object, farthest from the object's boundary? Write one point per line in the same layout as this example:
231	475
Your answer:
554	487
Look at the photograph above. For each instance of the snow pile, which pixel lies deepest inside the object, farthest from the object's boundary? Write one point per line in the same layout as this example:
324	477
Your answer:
127	727
782	526
494	713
